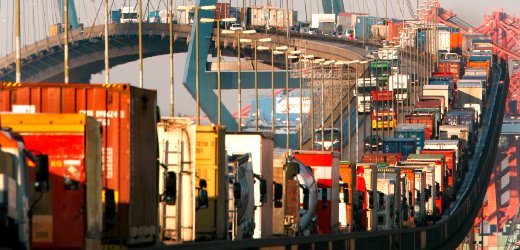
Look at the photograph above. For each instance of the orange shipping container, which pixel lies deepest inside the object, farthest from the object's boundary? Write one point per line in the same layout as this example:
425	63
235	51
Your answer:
455	40
393	30
130	146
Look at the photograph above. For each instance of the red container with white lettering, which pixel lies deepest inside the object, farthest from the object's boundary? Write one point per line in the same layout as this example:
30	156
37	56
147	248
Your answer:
130	172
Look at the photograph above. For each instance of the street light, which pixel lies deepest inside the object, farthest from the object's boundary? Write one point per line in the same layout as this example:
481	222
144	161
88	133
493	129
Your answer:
219	90
297	54
197	80
239	85
348	106
273	111
310	58
285	49
254	42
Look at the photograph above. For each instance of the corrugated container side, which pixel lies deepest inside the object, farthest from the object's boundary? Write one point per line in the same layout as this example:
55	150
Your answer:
127	115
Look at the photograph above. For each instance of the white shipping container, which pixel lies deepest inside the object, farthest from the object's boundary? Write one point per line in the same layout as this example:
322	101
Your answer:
322	18
445	144
260	145
443	40
469	92
438	90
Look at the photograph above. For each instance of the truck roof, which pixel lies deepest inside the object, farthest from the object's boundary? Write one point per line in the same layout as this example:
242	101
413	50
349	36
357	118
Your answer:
411	126
425	157
445	142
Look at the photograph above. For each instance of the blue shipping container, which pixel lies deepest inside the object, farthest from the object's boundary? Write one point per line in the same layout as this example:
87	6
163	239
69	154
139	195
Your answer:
405	146
116	16
363	27
417	131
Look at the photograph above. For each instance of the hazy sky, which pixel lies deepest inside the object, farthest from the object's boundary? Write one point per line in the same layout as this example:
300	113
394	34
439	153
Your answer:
185	104
156	73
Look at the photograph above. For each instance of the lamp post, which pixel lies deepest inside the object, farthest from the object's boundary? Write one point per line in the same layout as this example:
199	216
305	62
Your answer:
238	33
348	107
320	62
310	58
254	43
297	55
331	64
357	113
197	80
219	90
342	64
274	51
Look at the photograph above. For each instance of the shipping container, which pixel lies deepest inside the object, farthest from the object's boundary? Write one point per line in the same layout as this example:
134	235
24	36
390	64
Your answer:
73	145
195	155
432	102
408	130
428	120
394	30
389	159
128	118
260	145
222	11
470	92
460	132
429	211
443	40
325	167
442	90
404	146
322	18
429	107
362	29
455	42
449	66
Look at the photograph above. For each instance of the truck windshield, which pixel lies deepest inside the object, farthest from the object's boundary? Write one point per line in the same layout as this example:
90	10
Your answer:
326	134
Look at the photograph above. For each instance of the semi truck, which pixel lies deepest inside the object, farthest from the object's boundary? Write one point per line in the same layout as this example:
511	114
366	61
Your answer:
15	193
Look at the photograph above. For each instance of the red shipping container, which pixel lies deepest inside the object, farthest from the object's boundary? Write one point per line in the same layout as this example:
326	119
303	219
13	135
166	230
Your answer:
451	166
449	67
222	11
429	120
393	30
130	172
390	159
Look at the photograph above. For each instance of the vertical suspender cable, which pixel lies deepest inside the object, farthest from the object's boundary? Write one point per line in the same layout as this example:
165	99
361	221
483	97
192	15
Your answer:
140	43
66	39
107	66
18	47
172	84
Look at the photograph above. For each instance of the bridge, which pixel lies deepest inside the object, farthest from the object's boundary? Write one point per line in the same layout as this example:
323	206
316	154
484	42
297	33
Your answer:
42	62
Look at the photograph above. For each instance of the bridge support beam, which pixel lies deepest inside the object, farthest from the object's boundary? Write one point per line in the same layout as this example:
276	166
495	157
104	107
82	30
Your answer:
208	80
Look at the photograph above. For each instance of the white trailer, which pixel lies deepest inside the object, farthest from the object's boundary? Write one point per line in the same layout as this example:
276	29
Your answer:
322	18
399	84
470	92
260	146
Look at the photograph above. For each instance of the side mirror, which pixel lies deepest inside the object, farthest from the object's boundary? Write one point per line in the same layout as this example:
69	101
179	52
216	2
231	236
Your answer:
170	183
42	173
324	199
345	193
437	190
263	190
110	208
370	199
278	195
381	200
202	195
305	198
410	201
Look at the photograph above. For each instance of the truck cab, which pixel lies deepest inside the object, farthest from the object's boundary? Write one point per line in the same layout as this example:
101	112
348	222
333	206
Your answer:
15	161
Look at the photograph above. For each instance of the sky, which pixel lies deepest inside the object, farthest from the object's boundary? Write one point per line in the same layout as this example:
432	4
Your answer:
156	69
184	104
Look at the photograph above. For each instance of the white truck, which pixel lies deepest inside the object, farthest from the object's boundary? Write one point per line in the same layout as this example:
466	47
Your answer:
365	86
129	15
259	146
399	83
